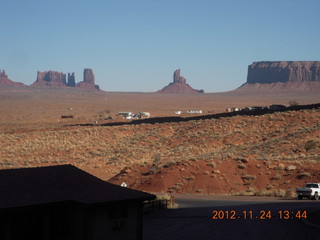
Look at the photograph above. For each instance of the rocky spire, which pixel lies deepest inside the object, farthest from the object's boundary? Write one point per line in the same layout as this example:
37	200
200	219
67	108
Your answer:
177	77
179	85
71	80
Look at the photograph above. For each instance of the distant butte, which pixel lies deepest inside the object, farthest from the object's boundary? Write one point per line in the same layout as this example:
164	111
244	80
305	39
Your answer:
273	75
5	81
58	79
88	80
50	78
179	85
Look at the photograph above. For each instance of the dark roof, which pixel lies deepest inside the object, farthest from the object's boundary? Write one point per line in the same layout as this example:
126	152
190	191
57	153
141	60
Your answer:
42	185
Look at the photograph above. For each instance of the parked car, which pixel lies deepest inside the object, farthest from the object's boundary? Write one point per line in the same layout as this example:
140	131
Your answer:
311	191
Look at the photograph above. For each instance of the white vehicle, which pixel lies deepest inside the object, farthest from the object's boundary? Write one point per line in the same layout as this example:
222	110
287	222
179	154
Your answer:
311	190
144	115
125	115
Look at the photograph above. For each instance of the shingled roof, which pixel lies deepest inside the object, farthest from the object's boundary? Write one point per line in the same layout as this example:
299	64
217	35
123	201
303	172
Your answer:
42	185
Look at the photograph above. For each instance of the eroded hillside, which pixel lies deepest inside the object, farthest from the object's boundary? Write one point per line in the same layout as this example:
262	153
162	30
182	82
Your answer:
268	154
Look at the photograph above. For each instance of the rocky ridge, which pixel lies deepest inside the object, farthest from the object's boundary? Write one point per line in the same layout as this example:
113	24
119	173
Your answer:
5	81
179	85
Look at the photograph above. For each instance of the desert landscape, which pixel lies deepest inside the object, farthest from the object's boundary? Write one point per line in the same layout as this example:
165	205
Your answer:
268	154
159	120
245	150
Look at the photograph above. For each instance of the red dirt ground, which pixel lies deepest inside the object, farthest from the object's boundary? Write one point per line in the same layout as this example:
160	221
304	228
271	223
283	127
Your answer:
240	155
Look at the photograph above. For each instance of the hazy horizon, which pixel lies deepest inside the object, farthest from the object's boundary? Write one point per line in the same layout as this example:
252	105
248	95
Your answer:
136	45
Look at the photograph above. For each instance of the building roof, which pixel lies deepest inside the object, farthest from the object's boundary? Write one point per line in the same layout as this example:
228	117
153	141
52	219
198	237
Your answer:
43	185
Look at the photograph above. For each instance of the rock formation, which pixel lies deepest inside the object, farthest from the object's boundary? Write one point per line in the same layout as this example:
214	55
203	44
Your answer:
5	81
71	80
88	75
290	71
178	78
88	80
179	85
50	78
58	79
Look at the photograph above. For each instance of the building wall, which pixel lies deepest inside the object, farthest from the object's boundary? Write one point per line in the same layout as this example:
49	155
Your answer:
72	221
115	222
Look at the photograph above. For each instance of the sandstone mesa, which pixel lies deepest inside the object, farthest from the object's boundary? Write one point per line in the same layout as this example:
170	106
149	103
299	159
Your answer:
284	71
58	79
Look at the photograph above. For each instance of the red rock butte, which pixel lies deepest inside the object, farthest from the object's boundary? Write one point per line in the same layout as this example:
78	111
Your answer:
88	80
179	85
58	79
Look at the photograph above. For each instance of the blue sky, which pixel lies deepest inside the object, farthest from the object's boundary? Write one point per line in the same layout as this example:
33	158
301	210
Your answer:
135	45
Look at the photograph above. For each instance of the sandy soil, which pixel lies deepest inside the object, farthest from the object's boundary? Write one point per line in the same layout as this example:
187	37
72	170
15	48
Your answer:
242	155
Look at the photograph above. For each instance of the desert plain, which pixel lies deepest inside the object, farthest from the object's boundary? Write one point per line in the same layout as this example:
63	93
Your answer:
266	155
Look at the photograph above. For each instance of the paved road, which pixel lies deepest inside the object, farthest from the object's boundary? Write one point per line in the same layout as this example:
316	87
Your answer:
237	220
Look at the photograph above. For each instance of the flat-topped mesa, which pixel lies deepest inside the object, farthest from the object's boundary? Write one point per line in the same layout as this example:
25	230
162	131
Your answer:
179	85
5	81
50	78
284	71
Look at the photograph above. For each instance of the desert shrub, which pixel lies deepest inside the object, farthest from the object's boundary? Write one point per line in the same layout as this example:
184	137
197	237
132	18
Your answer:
276	177
170	163
248	177
291	193
273	193
293	103
156	165
309	145
216	171
268	193
212	164
191	178
304	175
244	193
280	167
241	166
280	193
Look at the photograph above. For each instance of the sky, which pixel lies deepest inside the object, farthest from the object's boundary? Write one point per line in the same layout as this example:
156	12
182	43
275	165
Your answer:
136	45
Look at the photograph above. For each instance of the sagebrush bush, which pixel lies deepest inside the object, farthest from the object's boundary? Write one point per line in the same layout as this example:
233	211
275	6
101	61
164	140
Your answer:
309	145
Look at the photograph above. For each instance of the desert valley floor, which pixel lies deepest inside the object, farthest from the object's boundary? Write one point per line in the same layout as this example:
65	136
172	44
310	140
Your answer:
269	154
